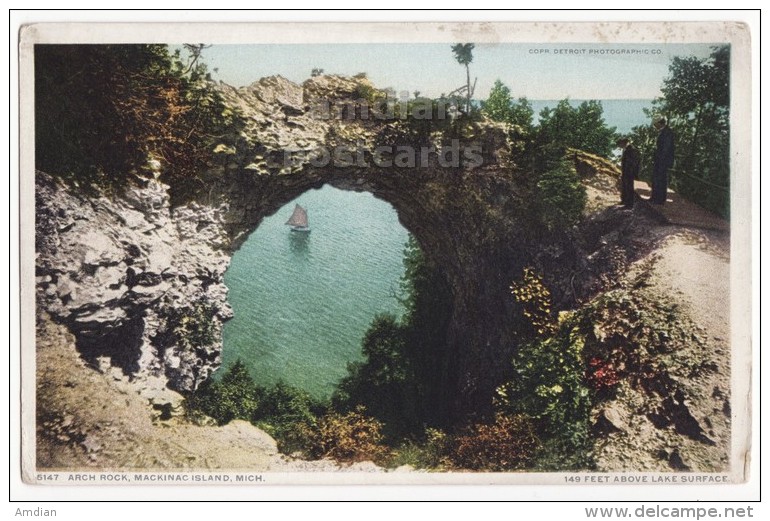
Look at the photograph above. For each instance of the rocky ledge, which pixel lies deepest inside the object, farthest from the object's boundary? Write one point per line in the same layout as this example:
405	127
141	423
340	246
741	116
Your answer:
115	270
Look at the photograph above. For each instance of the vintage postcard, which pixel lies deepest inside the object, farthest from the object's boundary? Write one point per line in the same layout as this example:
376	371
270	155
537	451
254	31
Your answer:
432	253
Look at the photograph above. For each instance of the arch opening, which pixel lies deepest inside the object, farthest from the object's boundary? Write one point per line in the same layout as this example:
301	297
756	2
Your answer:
465	225
303	301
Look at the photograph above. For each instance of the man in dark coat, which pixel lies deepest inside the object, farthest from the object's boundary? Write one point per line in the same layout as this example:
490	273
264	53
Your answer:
629	167
664	159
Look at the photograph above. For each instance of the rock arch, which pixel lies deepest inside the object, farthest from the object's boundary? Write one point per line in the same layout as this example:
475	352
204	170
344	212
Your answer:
105	265
465	217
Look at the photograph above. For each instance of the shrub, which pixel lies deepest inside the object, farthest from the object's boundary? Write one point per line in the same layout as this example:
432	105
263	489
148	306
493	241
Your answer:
429	453
561	197
548	385
507	444
348	437
289	415
601	375
367	92
285	412
625	334
581	127
236	396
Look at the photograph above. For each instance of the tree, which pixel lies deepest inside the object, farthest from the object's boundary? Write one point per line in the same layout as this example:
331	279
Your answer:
103	112
566	126
464	55
195	51
500	107
696	100
498	104
522	116
561	197
236	396
404	377
383	382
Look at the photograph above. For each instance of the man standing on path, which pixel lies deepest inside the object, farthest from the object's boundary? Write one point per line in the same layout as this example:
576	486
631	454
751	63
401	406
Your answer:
629	167
664	159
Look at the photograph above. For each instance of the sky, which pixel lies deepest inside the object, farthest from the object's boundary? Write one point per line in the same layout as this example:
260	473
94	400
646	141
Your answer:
536	71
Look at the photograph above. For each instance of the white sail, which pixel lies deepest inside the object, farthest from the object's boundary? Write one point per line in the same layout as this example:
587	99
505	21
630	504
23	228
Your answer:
298	217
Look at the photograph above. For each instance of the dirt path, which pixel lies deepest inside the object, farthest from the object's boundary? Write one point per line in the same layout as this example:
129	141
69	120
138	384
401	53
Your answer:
696	266
680	211
692	269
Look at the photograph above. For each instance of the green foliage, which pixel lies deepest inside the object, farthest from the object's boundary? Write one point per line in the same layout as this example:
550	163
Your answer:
348	437
519	118
367	92
403	378
234	397
384	383
500	107
696	100
580	127
509	443
560	197
103	112
548	386
522	116
288	414
428	453
548	380
463	53
498	104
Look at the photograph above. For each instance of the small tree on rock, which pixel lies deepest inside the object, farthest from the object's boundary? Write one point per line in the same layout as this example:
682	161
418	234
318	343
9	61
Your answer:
464	55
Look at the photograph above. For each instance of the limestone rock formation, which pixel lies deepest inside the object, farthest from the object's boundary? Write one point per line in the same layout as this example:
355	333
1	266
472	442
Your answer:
111	268
130	275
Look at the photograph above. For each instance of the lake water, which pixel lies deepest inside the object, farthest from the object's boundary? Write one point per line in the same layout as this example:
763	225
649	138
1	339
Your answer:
302	301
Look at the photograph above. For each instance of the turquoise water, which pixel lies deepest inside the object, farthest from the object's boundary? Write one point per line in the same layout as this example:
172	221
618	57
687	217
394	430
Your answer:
303	302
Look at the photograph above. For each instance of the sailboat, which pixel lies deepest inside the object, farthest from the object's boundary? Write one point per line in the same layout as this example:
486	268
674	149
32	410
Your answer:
298	220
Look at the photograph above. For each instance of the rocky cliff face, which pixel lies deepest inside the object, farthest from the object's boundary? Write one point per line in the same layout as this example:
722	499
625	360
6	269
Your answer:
112	269
140	283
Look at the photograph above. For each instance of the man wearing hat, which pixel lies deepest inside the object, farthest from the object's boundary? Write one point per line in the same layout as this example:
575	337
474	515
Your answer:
664	159
629	167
